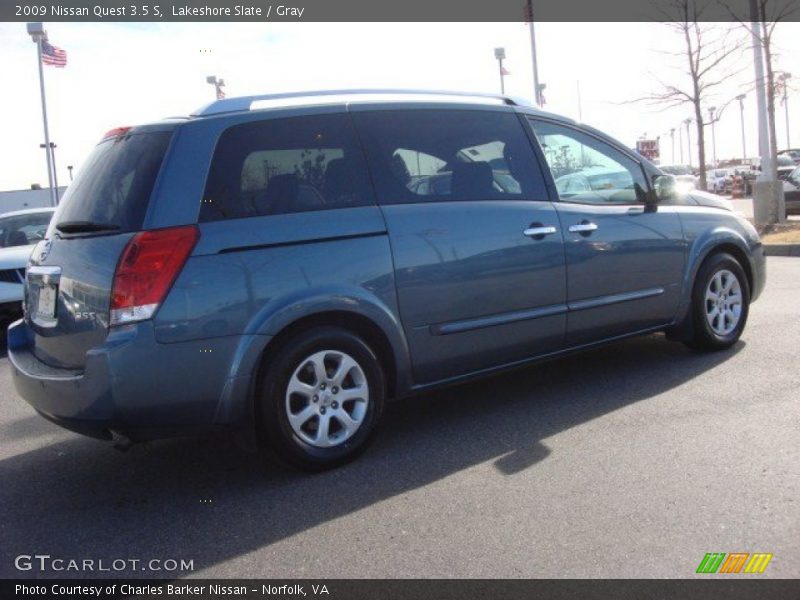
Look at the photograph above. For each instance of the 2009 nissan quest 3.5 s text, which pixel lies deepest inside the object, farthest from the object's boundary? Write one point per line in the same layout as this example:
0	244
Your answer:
286	263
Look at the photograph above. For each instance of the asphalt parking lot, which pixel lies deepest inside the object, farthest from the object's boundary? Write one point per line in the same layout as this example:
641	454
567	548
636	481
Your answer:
630	461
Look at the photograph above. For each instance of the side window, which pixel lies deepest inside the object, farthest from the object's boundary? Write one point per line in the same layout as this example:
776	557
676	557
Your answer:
587	170
430	155
283	166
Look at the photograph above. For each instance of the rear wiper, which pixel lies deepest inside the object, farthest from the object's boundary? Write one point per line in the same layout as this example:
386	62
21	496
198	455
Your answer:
84	226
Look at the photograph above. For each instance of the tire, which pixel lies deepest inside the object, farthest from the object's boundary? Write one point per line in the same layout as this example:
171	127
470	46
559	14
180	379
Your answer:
720	303
326	419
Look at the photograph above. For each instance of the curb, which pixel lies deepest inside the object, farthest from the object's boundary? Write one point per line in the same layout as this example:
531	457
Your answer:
782	249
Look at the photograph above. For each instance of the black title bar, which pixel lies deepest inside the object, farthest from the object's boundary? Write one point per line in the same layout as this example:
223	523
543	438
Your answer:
389	10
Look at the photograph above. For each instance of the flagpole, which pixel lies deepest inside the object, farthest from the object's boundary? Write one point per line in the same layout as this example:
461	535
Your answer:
36	31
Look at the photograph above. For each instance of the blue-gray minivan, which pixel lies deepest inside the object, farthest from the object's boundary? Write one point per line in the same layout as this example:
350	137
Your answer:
284	264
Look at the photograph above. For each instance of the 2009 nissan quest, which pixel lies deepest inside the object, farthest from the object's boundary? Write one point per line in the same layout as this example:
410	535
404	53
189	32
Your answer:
287	263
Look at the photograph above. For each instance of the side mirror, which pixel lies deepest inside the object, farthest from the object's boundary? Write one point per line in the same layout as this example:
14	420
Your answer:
665	187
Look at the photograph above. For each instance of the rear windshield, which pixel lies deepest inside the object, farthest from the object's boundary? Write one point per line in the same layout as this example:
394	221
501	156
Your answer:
113	186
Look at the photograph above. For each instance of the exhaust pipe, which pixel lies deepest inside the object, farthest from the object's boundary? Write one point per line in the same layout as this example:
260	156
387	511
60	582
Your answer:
120	441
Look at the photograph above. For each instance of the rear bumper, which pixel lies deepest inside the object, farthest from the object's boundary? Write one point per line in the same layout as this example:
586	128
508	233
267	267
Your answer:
133	385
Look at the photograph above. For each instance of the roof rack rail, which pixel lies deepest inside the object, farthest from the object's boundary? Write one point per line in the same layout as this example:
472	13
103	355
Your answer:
244	103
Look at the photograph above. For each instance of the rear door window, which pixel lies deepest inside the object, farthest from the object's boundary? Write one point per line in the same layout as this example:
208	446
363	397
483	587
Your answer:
281	166
114	185
422	155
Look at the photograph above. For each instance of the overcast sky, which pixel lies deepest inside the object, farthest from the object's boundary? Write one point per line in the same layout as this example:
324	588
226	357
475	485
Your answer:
122	74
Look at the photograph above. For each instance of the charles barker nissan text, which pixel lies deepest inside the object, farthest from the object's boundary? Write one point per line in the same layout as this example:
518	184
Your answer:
239	10
126	589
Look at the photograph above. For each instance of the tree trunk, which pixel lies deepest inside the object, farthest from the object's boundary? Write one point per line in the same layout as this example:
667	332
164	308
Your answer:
701	145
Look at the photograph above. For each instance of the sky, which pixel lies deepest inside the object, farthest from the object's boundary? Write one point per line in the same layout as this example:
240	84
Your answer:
123	74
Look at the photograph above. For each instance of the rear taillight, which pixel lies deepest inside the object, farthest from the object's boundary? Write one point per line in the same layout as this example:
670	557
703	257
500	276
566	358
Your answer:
147	268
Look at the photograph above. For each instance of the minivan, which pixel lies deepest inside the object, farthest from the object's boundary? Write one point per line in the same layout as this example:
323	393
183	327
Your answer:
284	264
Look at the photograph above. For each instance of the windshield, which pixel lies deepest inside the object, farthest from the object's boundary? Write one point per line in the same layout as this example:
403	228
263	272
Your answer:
113	187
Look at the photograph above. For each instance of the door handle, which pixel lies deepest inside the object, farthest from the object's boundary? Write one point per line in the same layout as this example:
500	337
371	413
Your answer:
586	227
540	232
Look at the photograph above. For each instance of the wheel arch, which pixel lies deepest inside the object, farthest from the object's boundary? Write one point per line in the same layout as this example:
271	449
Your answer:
354	322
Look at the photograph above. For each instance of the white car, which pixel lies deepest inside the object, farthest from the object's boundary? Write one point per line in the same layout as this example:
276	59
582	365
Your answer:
20	231
719	180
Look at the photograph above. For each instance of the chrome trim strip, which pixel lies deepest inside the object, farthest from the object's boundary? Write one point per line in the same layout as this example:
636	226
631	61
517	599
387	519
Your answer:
615	299
493	320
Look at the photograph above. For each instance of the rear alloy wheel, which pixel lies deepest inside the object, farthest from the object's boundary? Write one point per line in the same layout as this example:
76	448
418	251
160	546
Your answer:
321	398
327	398
720	303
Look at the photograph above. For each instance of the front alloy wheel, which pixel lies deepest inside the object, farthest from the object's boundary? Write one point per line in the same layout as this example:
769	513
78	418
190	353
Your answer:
723	302
720	303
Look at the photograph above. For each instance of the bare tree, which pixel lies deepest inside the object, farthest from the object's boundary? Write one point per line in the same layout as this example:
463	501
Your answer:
706	61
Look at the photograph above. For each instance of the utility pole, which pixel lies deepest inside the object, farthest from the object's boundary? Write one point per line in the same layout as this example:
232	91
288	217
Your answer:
680	143
580	107
740	98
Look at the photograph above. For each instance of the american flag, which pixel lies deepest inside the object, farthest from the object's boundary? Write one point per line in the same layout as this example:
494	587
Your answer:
52	55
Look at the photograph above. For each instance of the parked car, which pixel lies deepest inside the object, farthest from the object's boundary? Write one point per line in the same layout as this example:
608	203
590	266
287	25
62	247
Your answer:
791	192
785	165
793	153
720	180
279	270
683	174
19	232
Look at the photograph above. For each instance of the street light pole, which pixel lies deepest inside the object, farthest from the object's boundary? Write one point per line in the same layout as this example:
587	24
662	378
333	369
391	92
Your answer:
672	143
218	85
680	142
537	92
500	54
711	110
784	77
767	191
740	98
689	140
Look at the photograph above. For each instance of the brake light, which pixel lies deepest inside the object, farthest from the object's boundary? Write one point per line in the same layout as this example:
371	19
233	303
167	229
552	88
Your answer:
116	131
147	268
